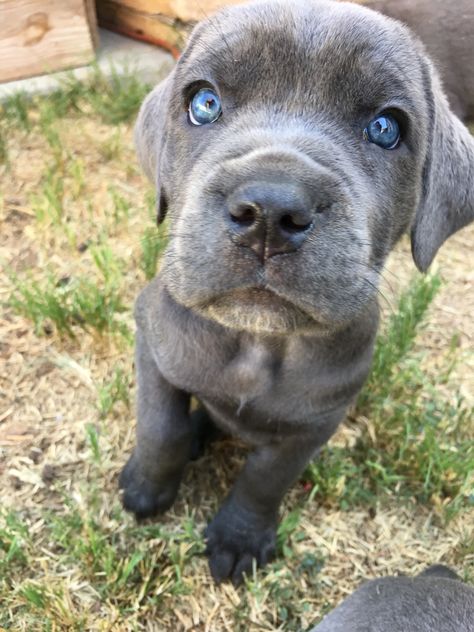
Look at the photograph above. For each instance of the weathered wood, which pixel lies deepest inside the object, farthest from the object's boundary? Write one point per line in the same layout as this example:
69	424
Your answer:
163	22
39	36
183	10
91	17
156	28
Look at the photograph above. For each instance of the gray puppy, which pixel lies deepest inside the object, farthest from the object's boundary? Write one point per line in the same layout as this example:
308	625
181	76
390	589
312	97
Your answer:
434	601
292	146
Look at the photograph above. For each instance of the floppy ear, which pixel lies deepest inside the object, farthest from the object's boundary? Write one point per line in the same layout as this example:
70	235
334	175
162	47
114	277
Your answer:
150	138
447	199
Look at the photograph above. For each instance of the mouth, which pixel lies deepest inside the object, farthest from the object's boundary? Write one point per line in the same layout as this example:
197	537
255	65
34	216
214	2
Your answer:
257	310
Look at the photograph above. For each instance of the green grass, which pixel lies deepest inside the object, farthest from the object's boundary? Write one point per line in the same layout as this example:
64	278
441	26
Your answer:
15	544
129	567
15	110
48	126
3	144
69	305
113	99
112	147
419	448
48	204
111	392
76	171
120	206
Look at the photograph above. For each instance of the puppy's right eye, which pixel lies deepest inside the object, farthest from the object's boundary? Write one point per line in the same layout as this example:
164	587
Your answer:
204	107
383	131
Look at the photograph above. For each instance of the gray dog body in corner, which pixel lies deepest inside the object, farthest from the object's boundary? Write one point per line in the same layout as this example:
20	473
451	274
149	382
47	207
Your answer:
281	217
434	601
447	30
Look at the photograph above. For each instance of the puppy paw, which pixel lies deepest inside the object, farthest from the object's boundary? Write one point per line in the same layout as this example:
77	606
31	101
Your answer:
145	497
235	538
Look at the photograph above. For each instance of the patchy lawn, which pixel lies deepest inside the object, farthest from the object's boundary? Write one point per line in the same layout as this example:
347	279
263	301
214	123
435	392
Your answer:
392	492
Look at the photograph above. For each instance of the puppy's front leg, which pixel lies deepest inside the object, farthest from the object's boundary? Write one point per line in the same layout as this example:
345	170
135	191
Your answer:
151	477
244	529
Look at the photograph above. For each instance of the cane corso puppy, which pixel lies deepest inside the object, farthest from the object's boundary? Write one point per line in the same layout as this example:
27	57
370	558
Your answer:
434	601
291	147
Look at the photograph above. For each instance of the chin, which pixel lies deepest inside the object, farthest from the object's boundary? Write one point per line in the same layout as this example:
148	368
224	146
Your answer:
259	311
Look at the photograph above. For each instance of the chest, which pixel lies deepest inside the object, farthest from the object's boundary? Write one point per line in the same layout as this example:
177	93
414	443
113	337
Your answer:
266	379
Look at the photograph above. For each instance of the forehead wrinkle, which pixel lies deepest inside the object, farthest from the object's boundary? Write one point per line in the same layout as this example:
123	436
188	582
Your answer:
243	67
393	90
401	83
211	60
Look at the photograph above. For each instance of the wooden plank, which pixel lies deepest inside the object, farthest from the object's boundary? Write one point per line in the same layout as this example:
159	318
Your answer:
163	22
184	10
39	36
156	28
198	9
91	17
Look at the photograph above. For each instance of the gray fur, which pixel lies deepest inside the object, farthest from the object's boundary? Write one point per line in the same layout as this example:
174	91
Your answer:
277	350
434	601
447	30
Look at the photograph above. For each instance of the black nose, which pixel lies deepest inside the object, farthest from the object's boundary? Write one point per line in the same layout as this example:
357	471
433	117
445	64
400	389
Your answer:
269	218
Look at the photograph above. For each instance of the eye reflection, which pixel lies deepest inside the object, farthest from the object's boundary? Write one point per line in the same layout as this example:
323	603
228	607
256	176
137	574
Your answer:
204	107
383	131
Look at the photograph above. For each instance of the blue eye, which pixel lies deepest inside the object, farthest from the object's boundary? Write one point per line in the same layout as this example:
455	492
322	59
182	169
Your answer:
204	107
383	131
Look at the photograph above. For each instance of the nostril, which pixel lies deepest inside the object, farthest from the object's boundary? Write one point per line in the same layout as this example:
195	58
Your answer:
294	224
244	214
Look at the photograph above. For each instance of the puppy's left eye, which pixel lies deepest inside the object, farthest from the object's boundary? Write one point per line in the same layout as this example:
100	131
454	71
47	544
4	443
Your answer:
383	131
205	107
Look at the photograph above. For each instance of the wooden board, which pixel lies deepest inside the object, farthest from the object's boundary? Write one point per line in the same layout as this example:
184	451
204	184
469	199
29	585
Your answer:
163	22
183	10
40	36
156	28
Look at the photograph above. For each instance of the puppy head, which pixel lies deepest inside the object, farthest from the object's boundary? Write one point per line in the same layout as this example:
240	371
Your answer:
292	145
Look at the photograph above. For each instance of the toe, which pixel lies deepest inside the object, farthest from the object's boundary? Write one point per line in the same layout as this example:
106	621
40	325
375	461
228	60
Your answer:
221	564
267	553
244	565
142	505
